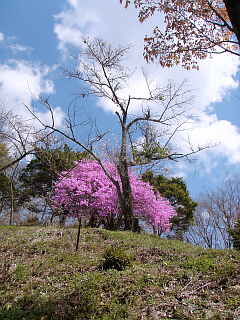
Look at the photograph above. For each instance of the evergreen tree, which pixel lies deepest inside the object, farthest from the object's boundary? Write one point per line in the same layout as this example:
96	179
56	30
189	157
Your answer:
235	235
176	191
5	198
40	175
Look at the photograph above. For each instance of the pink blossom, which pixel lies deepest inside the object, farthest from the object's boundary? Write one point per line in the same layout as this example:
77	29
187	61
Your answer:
86	190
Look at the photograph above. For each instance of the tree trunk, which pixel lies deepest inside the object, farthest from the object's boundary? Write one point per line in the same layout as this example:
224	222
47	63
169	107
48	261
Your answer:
12	204
62	220
127	207
12	196
127	195
154	230
51	219
233	9
78	235
136	226
47	199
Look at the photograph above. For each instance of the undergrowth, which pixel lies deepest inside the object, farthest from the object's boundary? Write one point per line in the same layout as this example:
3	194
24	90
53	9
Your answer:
114	275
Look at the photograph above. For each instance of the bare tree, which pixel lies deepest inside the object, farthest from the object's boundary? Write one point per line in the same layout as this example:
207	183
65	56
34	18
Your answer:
217	211
20	136
14	140
102	73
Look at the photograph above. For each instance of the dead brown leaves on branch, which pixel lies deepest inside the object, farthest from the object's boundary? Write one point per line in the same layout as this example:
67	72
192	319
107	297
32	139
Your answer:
193	31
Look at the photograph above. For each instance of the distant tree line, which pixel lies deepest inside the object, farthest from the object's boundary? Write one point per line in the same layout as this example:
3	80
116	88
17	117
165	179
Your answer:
26	195
34	185
217	217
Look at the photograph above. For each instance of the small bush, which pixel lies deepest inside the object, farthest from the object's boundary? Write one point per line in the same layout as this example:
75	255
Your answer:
31	222
115	258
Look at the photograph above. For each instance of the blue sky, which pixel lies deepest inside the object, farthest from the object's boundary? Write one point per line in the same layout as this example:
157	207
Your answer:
37	35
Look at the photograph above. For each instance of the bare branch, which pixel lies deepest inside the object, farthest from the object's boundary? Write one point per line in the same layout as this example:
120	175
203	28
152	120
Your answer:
101	71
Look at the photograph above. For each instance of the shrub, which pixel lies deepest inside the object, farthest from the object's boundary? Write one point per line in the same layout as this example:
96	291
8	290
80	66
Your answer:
31	222
88	193
115	258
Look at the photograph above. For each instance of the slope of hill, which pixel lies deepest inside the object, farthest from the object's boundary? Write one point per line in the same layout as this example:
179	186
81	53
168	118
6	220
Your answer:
114	275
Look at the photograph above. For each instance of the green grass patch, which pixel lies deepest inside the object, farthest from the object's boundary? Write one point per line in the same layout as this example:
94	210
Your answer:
114	275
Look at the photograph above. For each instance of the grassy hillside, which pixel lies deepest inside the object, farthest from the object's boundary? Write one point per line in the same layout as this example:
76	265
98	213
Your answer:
42	277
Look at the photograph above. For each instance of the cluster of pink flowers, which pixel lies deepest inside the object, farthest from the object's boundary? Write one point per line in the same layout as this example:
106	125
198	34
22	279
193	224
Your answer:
86	190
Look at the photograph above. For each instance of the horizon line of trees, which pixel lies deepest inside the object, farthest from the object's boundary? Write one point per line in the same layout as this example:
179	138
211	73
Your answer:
212	221
33	188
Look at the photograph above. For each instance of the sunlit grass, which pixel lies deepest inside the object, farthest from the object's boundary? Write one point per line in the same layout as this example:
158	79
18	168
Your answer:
42	277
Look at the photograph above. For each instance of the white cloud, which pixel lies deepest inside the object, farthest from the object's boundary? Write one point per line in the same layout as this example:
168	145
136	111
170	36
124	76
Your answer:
74	23
215	78
18	48
211	131
226	134
212	82
111	21
20	81
14	47
46	117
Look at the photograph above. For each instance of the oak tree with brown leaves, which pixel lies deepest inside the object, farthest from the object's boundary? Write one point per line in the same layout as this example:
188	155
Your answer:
193	30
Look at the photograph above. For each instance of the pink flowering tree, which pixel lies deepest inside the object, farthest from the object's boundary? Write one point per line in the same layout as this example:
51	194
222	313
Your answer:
86	191
102	72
